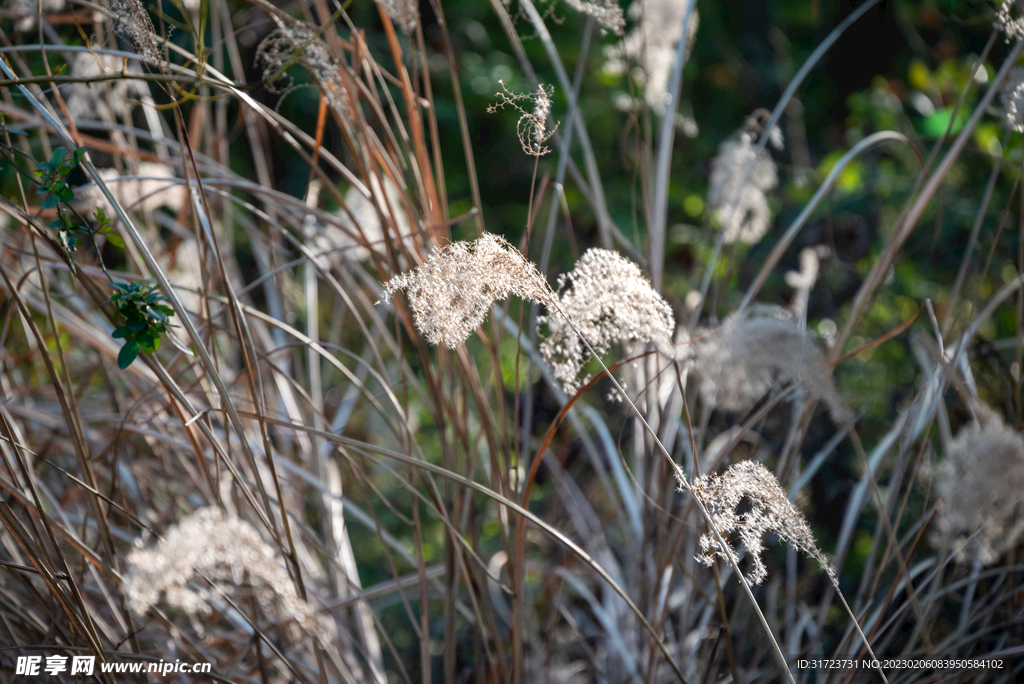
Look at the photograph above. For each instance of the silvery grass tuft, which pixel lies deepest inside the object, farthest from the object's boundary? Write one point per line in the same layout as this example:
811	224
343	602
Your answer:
1011	97
609	301
754	350
607	13
149	188
1007	22
770	511
651	45
743	211
981	487
405	13
226	551
297	40
132	22
451	294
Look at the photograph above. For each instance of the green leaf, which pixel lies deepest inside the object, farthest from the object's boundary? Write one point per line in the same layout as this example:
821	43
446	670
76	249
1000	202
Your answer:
114	239
58	155
50	202
66	194
129	352
137	326
79	153
120	332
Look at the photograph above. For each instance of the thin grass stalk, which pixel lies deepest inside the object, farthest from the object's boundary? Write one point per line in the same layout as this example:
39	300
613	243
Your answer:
783	243
904	228
780	107
663	159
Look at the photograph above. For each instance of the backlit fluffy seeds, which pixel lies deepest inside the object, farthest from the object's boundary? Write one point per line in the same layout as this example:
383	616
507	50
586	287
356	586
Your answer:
607	13
405	13
226	551
1007	22
755	349
1011	97
743	212
770	511
132	22
652	45
153	186
609	300
451	294
981	486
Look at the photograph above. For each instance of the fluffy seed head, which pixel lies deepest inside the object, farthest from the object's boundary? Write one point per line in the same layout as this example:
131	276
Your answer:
209	544
1010	19
132	22
743	212
981	486
152	187
607	13
609	300
770	511
1011	97
405	13
755	349
652	45
452	292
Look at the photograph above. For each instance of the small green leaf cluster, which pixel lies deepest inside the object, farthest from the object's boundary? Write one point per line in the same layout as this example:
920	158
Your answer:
145	319
53	176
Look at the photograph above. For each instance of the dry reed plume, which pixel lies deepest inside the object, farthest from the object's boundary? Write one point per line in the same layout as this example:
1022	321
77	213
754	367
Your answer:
770	511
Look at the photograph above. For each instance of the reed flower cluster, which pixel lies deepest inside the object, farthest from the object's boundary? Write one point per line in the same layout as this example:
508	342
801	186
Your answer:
227	552
88	100
770	511
609	301
753	351
981	487
1010	19
451	294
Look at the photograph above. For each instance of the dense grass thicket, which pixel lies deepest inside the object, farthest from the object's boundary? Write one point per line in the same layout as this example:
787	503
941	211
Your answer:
513	341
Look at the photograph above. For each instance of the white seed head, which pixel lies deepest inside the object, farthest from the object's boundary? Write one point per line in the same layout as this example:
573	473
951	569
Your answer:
209	544
652	45
610	301
753	351
452	293
770	511
981	486
743	211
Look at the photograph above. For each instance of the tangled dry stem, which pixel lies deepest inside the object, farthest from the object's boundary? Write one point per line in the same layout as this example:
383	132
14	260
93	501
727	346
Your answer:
532	126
